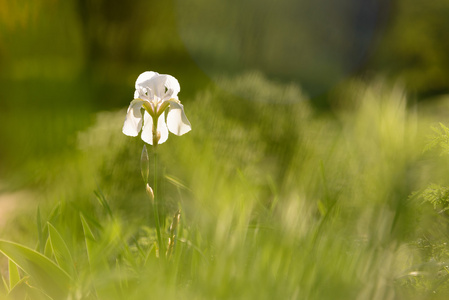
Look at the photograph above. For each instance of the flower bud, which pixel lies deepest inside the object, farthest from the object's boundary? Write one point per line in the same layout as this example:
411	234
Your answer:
150	192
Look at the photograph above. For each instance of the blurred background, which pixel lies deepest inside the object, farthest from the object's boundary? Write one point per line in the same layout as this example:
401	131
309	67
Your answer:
309	118
63	61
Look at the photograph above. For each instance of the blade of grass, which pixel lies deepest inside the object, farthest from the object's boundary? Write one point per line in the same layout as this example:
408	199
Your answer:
88	237
61	251
102	199
47	250
14	276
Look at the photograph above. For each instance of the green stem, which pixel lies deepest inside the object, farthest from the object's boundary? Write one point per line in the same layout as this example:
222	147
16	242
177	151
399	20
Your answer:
156	208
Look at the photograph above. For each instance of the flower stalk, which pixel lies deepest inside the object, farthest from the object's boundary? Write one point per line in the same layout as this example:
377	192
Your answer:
155	94
156	205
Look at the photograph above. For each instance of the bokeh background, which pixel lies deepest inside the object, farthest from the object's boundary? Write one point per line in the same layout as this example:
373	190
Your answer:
304	171
63	61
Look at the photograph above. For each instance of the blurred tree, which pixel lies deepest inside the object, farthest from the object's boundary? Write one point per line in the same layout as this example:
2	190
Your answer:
415	46
110	28
313	43
132	37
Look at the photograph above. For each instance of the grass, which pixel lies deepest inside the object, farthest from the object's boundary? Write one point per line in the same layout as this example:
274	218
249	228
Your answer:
276	200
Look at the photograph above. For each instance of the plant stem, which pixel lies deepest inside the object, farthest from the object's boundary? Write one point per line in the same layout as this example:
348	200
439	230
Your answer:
156	207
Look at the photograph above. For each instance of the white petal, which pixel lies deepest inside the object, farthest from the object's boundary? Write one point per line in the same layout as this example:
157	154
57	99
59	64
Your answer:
173	87
147	131
144	94
133	120
145	76
176	119
163	86
162	128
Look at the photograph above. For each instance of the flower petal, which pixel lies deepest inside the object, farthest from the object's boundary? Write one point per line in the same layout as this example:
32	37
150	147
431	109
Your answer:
162	128
133	120
173	87
147	131
177	121
144	94
163	86
145	76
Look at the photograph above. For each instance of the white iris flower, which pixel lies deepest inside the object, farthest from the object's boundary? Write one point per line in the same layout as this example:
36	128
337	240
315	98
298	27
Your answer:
155	93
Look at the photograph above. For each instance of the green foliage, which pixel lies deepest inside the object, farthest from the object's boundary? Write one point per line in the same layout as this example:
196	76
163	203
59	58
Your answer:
440	138
410	47
14	276
60	251
275	201
438	196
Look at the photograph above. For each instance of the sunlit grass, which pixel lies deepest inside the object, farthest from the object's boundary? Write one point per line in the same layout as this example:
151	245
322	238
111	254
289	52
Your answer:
276	201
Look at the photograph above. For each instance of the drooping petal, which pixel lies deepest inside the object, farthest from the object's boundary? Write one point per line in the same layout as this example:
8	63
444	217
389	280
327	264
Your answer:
133	120
162	128
177	121
147	131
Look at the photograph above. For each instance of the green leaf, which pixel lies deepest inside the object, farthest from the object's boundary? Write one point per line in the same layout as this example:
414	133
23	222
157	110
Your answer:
41	244
102	199
46	275
55	214
20	289
23	291
48	252
14	276
61	251
89	238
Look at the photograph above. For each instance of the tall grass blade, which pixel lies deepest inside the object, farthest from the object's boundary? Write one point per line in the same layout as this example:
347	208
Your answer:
102	199
89	238
48	252
61	251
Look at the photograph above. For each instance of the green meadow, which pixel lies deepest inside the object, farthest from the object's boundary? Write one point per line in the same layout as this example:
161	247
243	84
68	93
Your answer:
275	193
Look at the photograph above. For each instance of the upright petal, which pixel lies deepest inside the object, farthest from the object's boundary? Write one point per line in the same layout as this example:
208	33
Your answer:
152	81
147	131
173	87
177	121
133	120
163	86
145	76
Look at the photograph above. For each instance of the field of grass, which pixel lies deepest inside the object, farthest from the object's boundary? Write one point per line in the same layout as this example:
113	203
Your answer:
276	201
